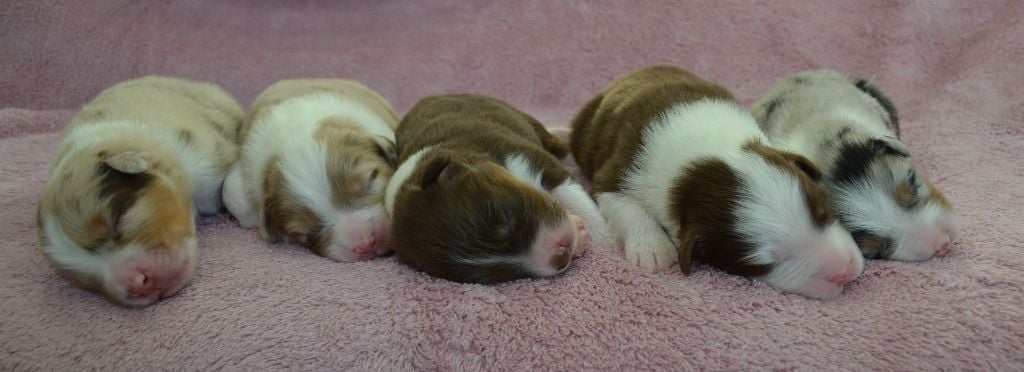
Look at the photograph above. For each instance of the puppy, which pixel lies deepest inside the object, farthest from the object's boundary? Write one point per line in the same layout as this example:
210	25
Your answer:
134	166
480	197
316	156
682	172
850	129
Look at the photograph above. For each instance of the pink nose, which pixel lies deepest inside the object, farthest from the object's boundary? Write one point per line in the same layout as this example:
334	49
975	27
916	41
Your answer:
366	247
153	281
942	250
844	277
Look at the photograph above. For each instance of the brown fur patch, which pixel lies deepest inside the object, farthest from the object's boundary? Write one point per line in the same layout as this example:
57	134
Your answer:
461	203
816	195
609	129
608	133
286	219
703	201
936	195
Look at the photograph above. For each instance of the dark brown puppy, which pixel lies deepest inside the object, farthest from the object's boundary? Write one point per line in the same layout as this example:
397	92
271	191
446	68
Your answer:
682	172
479	195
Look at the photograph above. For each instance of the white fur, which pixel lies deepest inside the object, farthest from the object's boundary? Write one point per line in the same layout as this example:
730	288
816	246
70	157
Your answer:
645	243
69	256
197	160
813	113
287	132
771	211
401	175
710	128
523	170
569	193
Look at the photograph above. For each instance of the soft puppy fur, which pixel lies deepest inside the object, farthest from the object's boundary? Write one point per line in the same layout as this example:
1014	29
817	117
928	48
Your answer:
480	195
316	157
134	166
850	129
682	172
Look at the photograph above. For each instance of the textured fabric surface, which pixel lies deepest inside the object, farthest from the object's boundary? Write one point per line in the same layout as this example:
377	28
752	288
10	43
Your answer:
953	68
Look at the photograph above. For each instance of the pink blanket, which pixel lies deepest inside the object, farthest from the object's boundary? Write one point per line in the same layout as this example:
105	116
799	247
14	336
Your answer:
953	68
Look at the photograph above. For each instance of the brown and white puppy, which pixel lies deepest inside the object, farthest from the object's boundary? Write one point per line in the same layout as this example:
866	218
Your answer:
682	172
134	166
480	196
850	129
316	156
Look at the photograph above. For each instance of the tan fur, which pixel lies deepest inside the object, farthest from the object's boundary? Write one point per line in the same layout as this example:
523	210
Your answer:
347	89
139	127
354	160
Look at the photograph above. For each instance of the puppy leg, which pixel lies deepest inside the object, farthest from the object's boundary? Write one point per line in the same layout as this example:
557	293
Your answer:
646	243
237	200
572	196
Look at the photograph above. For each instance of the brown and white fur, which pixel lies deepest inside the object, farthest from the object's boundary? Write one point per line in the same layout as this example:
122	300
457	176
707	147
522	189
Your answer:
850	129
682	172
316	157
480	195
133	168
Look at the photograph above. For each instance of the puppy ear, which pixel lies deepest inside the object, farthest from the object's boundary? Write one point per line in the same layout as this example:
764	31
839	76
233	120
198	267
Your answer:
129	162
386	149
439	171
891	146
805	165
687	245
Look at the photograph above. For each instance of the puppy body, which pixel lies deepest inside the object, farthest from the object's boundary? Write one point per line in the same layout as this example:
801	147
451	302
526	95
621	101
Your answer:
682	172
480	195
316	157
850	129
116	215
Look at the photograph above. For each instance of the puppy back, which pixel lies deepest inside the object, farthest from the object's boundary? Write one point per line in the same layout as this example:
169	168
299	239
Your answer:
342	88
190	107
474	122
608	131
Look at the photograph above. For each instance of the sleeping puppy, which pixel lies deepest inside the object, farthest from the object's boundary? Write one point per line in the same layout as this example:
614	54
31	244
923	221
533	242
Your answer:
480	196
316	156
682	172
134	166
850	130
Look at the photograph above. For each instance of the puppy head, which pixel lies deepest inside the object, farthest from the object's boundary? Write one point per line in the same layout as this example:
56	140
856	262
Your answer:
808	93
111	220
765	215
892	210
464	218
328	197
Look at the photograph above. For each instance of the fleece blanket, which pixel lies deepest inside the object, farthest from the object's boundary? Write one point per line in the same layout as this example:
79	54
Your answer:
953	68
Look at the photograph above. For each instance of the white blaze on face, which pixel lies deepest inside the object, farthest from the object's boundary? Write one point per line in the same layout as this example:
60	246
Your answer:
772	214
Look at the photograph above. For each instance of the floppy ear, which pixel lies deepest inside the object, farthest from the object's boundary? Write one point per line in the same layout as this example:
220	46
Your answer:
891	146
804	165
386	149
687	245
439	171
130	162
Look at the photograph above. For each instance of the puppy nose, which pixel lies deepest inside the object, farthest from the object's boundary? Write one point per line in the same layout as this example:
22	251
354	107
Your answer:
844	277
367	247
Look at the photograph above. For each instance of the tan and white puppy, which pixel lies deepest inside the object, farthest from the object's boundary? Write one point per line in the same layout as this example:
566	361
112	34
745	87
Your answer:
481	197
134	166
682	172
316	156
850	129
